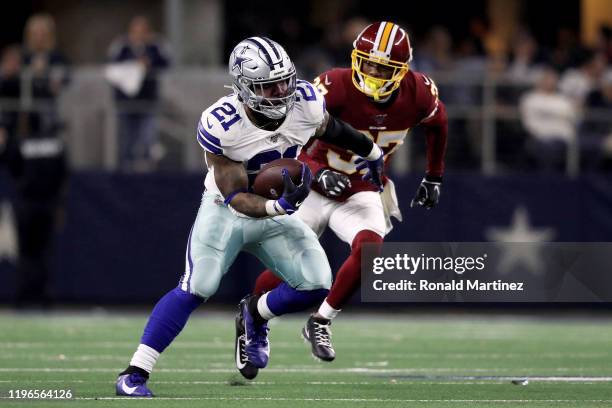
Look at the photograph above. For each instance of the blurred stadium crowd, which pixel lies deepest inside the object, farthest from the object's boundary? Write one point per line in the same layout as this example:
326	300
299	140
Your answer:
517	105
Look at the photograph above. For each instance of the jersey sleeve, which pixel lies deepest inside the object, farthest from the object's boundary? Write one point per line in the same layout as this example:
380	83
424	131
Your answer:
217	127
427	97
435	122
311	103
331	86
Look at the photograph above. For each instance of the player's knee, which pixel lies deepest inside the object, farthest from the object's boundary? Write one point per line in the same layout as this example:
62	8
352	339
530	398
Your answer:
318	281
316	271
366	237
206	277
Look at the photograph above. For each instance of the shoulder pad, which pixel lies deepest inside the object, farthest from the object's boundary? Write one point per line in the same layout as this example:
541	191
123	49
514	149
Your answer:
219	125
426	95
310	102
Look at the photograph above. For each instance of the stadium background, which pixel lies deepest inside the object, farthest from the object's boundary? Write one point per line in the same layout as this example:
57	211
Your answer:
119	241
123	235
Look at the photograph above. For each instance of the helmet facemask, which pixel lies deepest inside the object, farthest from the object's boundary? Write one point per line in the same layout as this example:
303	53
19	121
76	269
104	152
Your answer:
374	87
273	107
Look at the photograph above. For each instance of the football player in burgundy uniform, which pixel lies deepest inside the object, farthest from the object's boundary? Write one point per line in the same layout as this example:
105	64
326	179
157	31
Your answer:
381	97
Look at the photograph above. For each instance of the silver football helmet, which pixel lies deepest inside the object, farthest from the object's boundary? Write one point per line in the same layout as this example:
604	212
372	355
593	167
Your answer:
264	77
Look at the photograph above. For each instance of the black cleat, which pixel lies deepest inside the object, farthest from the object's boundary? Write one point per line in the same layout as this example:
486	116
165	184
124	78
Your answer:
318	333
246	368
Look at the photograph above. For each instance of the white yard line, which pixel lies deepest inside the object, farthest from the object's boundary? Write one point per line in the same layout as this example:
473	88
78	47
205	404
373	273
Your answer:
356	370
384	354
467	380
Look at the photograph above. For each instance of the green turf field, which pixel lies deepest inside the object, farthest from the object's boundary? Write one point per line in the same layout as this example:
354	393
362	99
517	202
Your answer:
432	361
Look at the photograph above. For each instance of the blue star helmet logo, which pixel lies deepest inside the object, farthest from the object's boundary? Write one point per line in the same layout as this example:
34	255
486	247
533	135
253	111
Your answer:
240	60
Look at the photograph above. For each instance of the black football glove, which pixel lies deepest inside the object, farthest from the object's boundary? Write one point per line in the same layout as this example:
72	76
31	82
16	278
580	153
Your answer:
293	196
331	182
428	193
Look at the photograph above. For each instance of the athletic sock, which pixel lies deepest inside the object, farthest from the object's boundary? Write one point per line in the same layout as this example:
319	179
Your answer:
327	311
145	357
285	299
253	307
263	309
134	369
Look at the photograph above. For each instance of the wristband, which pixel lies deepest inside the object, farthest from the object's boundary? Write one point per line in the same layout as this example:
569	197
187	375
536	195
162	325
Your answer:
231	196
274	209
374	154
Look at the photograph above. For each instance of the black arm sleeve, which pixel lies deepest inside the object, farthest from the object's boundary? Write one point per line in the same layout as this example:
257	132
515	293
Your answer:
343	135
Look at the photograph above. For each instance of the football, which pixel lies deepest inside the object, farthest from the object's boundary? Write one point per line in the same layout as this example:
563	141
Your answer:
269	181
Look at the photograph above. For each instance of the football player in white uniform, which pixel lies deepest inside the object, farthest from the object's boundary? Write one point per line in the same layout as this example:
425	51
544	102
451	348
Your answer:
270	115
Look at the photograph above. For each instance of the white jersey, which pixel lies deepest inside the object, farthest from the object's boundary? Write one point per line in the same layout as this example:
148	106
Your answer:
224	129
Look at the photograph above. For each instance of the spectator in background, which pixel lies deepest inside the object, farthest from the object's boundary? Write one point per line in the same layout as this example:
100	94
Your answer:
47	64
471	66
526	61
33	150
568	51
577	83
596	131
601	98
45	68
137	99
436	53
550	119
478	34
10	84
337	43
604	42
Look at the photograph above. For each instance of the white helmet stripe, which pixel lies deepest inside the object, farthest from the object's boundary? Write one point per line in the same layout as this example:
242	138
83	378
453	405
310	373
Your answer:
274	55
391	39
267	49
272	46
263	43
359	36
259	44
379	34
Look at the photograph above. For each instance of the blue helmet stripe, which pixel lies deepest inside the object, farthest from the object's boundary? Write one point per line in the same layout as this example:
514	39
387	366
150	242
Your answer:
276	53
262	48
266	39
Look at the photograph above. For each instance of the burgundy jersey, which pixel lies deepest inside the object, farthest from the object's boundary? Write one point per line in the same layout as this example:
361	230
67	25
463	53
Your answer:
415	102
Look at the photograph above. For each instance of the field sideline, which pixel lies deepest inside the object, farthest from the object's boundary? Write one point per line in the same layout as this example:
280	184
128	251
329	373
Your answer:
395	360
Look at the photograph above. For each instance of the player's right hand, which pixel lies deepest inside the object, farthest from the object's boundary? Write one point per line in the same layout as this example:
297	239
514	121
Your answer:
293	196
375	166
331	182
428	193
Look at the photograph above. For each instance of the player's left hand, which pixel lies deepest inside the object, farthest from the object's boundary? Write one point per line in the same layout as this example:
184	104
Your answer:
375	169
331	182
428	193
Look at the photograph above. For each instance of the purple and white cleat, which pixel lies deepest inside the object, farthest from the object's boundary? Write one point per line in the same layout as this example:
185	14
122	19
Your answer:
132	385
257	346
